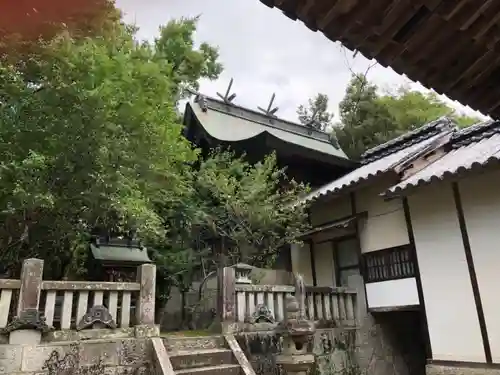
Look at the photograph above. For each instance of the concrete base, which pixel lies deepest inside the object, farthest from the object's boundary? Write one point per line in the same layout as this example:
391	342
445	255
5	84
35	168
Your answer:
461	370
25	337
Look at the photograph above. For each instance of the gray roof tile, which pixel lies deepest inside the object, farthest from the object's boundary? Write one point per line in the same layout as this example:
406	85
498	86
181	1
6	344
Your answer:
470	149
387	156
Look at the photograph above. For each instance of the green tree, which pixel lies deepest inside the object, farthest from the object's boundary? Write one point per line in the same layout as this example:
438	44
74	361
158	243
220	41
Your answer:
412	109
248	212
90	138
188	64
315	114
368	118
235	212
365	122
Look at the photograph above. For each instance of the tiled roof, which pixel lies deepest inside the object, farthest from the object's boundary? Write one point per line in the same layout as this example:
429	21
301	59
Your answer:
469	149
387	156
408	139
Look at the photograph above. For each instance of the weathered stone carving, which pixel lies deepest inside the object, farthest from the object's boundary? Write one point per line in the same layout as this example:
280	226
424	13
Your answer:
296	331
262	314
242	272
326	344
27	319
96	317
70	364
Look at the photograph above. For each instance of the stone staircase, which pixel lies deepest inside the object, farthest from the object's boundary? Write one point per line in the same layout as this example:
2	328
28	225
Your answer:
202	356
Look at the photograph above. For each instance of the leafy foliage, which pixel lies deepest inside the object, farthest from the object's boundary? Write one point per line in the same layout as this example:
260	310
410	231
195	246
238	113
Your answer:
364	121
369	118
411	109
91	140
248	210
176	45
316	114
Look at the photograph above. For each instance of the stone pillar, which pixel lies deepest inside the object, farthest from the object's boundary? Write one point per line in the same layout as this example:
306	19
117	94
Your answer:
145	310
226	303
27	327
31	285
296	332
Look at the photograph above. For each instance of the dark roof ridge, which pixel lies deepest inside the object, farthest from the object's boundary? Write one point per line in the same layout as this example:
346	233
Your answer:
417	135
475	133
311	130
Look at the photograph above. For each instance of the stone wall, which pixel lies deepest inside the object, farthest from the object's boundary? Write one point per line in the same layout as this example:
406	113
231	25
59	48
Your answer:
202	312
79	344
261	348
93	357
377	347
391	343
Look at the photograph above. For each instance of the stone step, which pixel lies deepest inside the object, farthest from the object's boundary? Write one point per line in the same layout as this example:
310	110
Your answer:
175	344
188	359
212	370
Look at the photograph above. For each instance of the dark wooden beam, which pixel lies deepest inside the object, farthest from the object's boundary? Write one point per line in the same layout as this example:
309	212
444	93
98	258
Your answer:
420	290
451	47
472	272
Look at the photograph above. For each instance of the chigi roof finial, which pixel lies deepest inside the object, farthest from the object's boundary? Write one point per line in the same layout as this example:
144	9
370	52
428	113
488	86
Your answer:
228	98
270	111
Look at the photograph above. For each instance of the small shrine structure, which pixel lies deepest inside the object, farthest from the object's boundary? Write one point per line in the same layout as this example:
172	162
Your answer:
115	259
310	155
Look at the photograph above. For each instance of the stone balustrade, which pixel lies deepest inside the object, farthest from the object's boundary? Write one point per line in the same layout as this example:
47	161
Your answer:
64	303
331	304
9	291
246	304
250	297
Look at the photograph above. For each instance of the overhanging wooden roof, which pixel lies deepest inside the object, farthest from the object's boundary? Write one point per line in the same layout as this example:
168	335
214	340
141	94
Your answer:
451	46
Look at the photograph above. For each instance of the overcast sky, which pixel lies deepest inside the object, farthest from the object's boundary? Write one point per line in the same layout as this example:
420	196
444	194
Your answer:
265	52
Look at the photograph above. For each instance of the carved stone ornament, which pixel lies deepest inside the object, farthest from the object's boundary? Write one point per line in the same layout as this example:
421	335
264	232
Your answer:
296	327
262	314
96	317
28	319
242	272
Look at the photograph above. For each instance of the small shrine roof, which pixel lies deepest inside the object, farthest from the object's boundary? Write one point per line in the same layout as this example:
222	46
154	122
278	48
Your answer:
119	252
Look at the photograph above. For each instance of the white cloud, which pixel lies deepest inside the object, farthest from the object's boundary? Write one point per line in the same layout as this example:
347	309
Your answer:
265	52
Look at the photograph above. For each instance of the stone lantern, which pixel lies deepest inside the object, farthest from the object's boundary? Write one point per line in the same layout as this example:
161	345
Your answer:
296	331
242	272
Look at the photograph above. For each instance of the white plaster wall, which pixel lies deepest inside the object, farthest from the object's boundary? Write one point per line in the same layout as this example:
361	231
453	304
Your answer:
385	225
301	262
331	210
481	204
392	293
451	312
323	259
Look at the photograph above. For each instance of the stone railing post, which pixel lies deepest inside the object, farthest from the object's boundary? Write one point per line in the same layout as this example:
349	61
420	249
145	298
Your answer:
27	326
226	301
145	310
31	285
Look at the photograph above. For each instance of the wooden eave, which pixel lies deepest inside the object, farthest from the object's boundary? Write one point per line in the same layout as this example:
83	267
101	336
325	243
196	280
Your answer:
451	46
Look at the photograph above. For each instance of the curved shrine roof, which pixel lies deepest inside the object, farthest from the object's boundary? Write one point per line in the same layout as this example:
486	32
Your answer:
231	123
